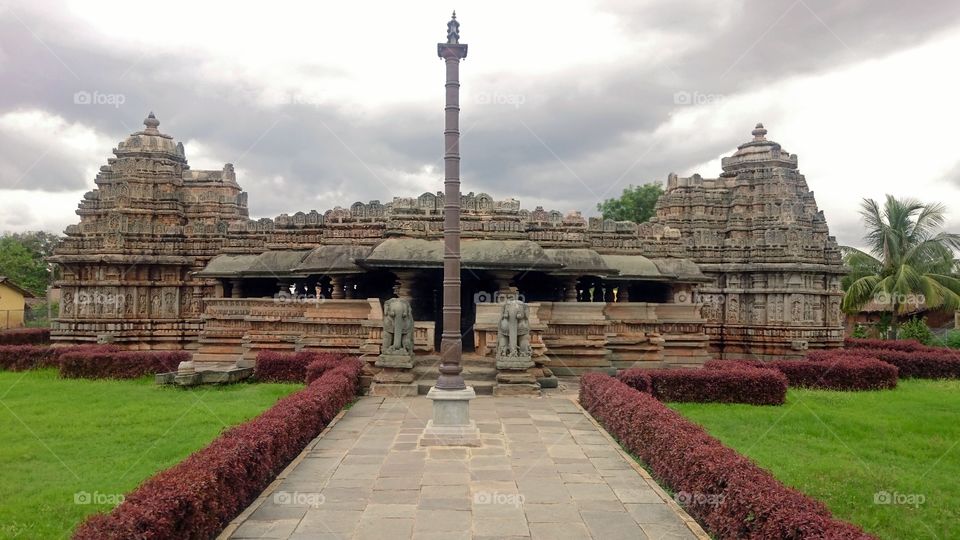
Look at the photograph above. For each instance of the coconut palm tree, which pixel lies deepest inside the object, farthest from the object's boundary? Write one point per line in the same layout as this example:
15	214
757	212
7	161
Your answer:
910	260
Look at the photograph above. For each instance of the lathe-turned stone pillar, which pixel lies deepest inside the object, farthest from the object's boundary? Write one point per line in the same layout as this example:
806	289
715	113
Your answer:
336	288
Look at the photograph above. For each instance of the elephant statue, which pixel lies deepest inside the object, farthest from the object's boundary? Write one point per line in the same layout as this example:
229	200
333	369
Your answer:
513	331
397	328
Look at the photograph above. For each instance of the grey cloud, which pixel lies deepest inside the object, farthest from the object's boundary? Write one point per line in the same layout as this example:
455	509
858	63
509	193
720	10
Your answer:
566	142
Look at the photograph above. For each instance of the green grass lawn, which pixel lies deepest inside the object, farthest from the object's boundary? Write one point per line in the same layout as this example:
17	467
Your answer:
844	448
66	442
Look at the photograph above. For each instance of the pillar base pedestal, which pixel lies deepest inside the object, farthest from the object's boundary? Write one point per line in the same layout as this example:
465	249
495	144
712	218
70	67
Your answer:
451	424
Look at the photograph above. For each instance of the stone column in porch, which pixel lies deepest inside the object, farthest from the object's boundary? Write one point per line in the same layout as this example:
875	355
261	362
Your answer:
506	288
570	293
403	287
236	288
336	287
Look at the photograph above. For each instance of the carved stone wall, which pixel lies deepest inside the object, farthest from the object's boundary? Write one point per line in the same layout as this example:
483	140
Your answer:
757	231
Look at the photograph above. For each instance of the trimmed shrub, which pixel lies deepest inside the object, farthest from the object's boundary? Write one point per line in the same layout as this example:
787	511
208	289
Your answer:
735	498
736	385
926	363
197	497
638	379
24	336
23	357
101	364
847	371
892	344
843	373
320	364
276	366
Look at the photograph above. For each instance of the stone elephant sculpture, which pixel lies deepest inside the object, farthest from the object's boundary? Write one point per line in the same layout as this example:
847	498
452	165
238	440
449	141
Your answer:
397	327
513	332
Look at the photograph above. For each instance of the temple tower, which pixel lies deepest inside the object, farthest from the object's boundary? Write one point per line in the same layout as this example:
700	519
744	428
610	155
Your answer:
757	232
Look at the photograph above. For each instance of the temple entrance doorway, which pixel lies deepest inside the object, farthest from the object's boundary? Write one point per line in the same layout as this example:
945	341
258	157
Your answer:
475	287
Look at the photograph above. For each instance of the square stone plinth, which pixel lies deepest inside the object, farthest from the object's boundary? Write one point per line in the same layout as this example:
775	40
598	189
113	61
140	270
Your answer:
400	361
451	424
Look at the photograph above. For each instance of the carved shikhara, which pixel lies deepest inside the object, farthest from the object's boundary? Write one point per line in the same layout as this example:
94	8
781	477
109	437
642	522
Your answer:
757	232
132	267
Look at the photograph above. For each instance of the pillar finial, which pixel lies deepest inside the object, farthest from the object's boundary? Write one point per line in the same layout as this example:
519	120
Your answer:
453	29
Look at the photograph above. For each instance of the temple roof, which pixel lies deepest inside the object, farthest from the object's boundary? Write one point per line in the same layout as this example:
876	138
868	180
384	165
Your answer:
334	259
273	263
680	270
227	265
580	262
267	264
475	254
633	267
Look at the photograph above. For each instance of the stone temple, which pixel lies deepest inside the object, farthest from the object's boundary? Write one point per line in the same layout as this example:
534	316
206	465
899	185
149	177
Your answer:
166	257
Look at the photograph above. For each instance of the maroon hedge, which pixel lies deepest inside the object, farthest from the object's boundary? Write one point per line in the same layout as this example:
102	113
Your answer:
738	385
24	336
925	363
734	498
108	364
276	366
321	363
850	372
24	357
906	345
198	497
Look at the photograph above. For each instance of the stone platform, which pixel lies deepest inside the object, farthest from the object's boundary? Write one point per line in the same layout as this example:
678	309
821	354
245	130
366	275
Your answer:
544	470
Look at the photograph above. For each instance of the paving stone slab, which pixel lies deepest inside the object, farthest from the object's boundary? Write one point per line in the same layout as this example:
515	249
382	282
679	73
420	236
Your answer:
544	470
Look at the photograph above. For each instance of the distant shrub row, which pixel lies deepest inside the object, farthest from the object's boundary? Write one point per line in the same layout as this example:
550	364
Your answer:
734	498
119	364
90	361
912	359
24	336
841	371
740	384
198	497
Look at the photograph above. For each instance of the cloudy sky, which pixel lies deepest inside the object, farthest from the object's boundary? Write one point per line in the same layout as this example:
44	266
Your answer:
321	104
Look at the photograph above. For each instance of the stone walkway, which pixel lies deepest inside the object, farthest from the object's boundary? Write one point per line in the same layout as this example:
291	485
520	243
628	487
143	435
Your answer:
544	471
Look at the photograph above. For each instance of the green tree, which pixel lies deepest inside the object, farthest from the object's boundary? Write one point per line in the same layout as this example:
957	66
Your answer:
22	259
910	259
635	204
